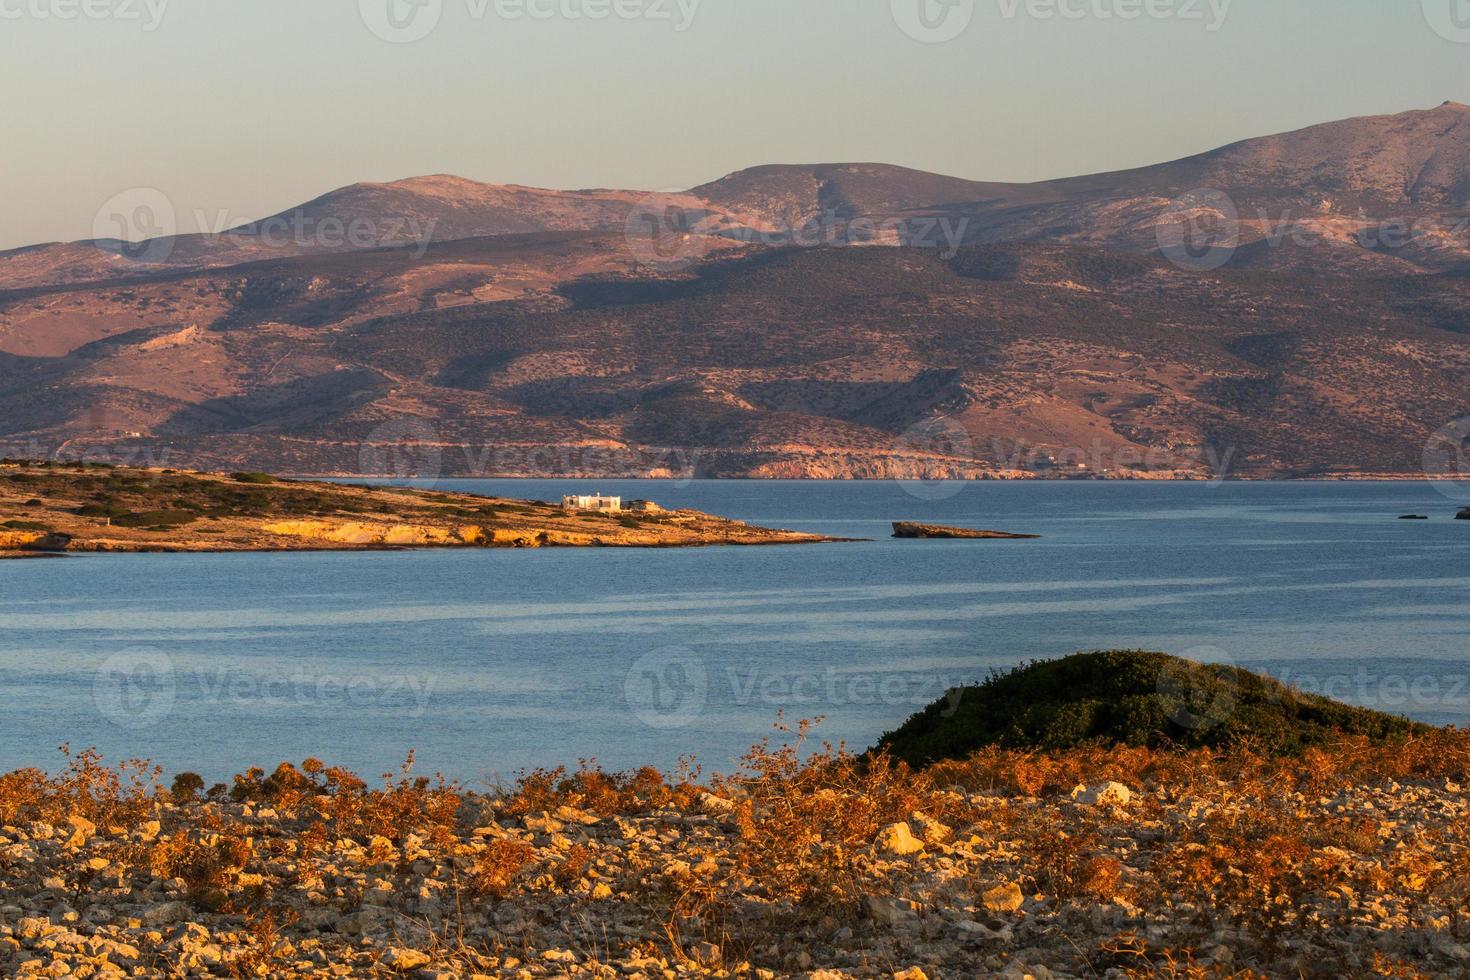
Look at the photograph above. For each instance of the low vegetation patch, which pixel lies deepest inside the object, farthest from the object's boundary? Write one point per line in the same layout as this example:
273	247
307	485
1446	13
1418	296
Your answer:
155	518
1133	698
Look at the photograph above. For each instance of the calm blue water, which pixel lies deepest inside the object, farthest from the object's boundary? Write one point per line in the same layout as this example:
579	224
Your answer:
489	661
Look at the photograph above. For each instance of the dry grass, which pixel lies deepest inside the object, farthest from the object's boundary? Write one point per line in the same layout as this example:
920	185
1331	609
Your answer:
1268	860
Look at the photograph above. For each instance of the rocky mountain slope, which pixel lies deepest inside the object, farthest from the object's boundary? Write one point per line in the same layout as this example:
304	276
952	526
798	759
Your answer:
1293	305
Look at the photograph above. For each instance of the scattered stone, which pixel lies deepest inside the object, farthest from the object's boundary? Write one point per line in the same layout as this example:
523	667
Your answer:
166	913
373	900
82	830
931	830
898	839
1003	898
891	912
1108	794
399	958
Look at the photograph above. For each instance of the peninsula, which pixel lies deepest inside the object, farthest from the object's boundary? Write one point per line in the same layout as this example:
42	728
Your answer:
52	508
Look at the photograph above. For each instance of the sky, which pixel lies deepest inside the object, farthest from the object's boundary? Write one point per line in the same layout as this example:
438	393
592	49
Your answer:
237	109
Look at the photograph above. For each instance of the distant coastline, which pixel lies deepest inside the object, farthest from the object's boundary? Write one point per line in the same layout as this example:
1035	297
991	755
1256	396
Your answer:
57	509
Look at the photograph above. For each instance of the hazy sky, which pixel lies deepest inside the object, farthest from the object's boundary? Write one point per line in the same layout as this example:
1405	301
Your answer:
246	107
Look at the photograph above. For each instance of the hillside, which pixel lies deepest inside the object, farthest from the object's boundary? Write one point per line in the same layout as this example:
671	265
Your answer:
517	356
1133	698
531	333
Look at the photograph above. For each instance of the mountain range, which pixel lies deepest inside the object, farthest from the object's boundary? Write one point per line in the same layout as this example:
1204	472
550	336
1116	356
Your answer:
1294	305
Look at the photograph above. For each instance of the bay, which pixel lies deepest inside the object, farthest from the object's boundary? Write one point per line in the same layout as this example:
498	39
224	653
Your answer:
487	662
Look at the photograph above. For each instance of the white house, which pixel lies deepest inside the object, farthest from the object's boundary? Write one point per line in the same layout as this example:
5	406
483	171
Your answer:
595	502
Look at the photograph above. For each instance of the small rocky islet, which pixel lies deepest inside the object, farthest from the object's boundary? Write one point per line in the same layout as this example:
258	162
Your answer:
916	530
1329	852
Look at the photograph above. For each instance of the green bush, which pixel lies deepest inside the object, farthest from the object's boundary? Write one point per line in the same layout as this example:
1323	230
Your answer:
253	478
186	786
102	508
26	526
1132	698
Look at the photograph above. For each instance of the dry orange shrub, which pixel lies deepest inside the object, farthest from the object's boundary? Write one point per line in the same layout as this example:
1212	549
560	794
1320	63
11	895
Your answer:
1442	754
573	866
804	820
498	866
596	791
107	795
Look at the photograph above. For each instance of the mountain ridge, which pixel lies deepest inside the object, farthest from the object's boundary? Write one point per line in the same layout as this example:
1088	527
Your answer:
1409	172
1052	329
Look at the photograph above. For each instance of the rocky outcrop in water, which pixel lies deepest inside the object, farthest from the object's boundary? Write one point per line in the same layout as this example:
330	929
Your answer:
909	529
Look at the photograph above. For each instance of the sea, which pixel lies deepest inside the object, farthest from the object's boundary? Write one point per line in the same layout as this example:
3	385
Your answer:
488	663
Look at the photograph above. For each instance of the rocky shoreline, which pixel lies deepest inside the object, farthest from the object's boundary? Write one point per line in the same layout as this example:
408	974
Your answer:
50	508
1089	863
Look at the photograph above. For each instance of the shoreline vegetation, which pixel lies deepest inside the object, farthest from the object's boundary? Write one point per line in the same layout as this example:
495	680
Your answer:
55	508
1328	853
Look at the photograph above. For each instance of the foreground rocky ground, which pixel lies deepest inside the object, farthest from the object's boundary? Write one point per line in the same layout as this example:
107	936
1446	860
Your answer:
1127	862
